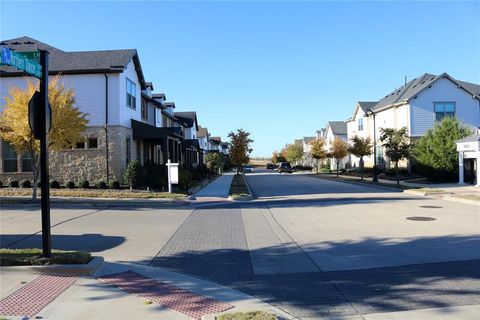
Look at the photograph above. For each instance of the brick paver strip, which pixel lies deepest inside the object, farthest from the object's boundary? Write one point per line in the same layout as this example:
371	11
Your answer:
36	295
166	295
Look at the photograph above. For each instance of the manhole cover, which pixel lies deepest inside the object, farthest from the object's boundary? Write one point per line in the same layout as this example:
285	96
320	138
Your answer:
431	207
421	218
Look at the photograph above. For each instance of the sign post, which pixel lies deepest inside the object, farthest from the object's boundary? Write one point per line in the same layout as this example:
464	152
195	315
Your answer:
35	63
172	169
44	176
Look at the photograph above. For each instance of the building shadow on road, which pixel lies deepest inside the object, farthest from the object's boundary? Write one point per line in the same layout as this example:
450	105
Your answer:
387	282
90	242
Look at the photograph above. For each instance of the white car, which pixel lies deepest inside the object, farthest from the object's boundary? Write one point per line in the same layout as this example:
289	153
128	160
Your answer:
248	169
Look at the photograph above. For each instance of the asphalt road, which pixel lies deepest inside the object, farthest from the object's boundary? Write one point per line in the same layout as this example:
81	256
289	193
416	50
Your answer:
312	247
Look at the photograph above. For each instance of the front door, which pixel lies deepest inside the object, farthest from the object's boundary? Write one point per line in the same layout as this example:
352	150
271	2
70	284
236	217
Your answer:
469	170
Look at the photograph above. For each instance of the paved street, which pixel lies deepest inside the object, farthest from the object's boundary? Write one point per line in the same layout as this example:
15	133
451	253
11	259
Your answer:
312	247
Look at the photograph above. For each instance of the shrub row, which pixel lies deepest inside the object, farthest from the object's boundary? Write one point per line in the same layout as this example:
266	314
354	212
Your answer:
115	184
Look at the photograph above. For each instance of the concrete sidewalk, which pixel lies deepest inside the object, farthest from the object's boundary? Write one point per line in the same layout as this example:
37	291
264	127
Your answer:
219	188
92	298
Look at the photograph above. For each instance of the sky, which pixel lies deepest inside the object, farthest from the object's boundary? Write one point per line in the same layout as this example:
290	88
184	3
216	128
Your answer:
277	69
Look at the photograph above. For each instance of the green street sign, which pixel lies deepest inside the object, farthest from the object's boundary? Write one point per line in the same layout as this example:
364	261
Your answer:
24	61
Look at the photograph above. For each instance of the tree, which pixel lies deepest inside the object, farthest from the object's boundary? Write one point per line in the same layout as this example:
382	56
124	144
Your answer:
275	157
338	151
68	122
396	144
293	152
360	148
318	151
215	161
133	174
239	148
437	148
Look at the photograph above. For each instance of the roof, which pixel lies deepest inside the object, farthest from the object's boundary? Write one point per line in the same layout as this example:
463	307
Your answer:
158	96
216	140
155	102
192	143
470	138
338	127
307	140
146	131
75	62
170	104
298	142
365	105
188	118
202	132
414	87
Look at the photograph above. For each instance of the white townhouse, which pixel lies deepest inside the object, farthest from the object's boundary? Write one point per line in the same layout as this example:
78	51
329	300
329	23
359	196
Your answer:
333	130
417	105
123	112
307	152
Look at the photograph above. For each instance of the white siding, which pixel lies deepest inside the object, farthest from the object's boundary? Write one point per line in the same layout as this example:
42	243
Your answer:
443	90
89	94
127	113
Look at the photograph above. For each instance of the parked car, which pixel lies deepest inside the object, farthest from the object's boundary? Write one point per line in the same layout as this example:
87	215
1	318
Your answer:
284	167
270	166
248	169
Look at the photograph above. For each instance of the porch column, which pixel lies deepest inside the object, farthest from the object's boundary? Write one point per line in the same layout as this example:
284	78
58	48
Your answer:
460	168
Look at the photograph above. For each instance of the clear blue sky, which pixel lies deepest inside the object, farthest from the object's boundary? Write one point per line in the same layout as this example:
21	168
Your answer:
277	69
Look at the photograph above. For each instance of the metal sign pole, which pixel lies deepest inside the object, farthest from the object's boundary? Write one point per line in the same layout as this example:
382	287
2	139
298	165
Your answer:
44	176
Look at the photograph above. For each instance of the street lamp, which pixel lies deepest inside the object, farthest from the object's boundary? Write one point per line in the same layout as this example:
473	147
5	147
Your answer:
375	178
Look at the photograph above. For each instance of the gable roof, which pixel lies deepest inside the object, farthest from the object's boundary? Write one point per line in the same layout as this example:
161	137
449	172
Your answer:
338	127
415	86
307	140
216	140
75	62
202	132
471	138
364	105
189	118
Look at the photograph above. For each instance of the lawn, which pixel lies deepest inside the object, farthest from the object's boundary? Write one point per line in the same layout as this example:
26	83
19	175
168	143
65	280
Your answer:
24	257
92	193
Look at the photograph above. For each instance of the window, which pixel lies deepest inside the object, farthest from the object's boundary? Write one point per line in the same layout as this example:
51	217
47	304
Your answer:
128	147
80	145
92	143
26	162
360	124
9	158
144	110
131	94
444	109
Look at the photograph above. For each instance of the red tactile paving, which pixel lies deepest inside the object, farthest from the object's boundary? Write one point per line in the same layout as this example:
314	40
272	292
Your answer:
34	296
166	295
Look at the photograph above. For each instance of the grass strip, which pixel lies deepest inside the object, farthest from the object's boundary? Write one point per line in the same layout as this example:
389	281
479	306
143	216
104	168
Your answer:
238	188
33	257
252	315
93	193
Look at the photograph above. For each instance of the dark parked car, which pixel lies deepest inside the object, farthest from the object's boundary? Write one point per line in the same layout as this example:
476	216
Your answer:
270	166
284	167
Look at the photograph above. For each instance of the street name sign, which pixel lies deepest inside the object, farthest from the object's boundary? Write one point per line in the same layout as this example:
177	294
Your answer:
24	61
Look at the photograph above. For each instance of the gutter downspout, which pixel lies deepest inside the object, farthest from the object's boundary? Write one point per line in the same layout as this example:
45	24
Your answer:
106	128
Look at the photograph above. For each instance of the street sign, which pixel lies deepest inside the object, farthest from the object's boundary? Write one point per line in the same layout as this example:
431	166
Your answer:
21	61
34	115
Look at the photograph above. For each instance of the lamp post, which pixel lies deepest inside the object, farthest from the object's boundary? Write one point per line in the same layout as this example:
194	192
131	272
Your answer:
375	178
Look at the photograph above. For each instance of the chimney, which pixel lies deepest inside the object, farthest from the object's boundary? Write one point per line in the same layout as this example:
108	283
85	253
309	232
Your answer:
405	80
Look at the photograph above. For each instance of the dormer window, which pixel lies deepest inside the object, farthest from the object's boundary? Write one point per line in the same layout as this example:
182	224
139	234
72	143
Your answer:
131	94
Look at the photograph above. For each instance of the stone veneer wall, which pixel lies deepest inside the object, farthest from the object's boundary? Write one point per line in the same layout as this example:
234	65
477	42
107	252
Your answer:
89	164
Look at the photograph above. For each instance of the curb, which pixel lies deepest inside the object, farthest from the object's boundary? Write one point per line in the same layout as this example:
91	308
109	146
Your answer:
457	199
88	269
99	201
426	194
400	190
213	316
